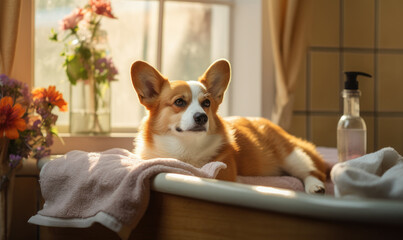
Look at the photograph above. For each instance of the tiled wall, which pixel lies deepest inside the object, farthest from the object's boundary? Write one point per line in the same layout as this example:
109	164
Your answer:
353	35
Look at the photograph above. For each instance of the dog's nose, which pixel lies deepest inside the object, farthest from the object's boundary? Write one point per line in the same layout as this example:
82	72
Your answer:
200	118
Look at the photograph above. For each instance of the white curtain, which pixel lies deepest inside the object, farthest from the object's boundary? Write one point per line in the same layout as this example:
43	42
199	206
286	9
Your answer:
289	21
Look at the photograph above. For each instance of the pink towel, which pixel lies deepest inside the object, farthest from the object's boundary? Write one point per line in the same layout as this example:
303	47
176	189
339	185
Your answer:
112	188
293	183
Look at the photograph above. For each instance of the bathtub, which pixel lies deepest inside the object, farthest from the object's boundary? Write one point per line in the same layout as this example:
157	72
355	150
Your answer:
187	207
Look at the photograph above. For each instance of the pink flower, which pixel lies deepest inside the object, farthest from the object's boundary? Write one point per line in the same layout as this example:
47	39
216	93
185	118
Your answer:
71	21
102	7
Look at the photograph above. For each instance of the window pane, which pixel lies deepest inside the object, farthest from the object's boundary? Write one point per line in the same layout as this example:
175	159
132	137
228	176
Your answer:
195	35
131	37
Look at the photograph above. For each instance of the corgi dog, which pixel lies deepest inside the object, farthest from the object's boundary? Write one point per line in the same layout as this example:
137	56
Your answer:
182	123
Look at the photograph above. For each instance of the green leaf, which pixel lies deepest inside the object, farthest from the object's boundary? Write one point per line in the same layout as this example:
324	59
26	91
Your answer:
74	69
74	30
55	132
53	36
84	52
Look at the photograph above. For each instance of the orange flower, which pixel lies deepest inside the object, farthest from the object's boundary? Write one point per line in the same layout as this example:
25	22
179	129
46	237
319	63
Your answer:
11	118
52	96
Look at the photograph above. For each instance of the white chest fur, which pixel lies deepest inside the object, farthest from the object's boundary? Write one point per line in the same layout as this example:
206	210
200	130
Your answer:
196	149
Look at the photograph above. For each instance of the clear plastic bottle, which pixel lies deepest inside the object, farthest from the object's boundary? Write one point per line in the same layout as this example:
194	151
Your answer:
351	129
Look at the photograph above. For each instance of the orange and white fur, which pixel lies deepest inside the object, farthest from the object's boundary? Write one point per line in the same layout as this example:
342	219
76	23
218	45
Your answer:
182	123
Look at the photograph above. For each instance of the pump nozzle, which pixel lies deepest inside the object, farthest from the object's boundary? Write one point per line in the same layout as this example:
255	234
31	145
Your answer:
351	82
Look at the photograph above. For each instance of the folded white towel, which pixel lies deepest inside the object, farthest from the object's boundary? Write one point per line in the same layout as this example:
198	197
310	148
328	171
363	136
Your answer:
375	175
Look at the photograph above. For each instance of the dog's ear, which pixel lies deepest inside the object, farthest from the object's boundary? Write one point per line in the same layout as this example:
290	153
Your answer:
147	82
216	79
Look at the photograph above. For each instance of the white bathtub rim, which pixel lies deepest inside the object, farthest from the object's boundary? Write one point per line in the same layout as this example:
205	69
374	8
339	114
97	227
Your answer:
280	200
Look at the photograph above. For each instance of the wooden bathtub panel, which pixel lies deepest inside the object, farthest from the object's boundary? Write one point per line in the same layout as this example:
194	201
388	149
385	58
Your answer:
95	232
174	217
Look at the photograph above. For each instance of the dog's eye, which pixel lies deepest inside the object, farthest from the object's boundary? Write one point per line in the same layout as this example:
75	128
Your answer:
206	103
180	102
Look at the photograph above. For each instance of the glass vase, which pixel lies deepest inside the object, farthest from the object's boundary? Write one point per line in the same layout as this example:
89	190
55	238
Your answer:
90	107
90	99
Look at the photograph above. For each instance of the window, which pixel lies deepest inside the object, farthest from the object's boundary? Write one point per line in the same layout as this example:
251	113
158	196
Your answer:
181	38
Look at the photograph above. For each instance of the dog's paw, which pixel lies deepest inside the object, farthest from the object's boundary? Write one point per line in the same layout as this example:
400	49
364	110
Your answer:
316	189
314	185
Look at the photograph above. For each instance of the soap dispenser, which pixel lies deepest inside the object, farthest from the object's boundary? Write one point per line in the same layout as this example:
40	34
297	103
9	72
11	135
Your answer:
351	129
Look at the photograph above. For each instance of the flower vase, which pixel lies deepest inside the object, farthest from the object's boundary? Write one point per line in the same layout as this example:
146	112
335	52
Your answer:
90	107
6	190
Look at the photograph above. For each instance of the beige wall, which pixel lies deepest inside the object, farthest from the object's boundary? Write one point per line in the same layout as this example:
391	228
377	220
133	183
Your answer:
354	35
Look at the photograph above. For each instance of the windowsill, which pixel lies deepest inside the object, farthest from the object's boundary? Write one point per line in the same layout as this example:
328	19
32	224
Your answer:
96	143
